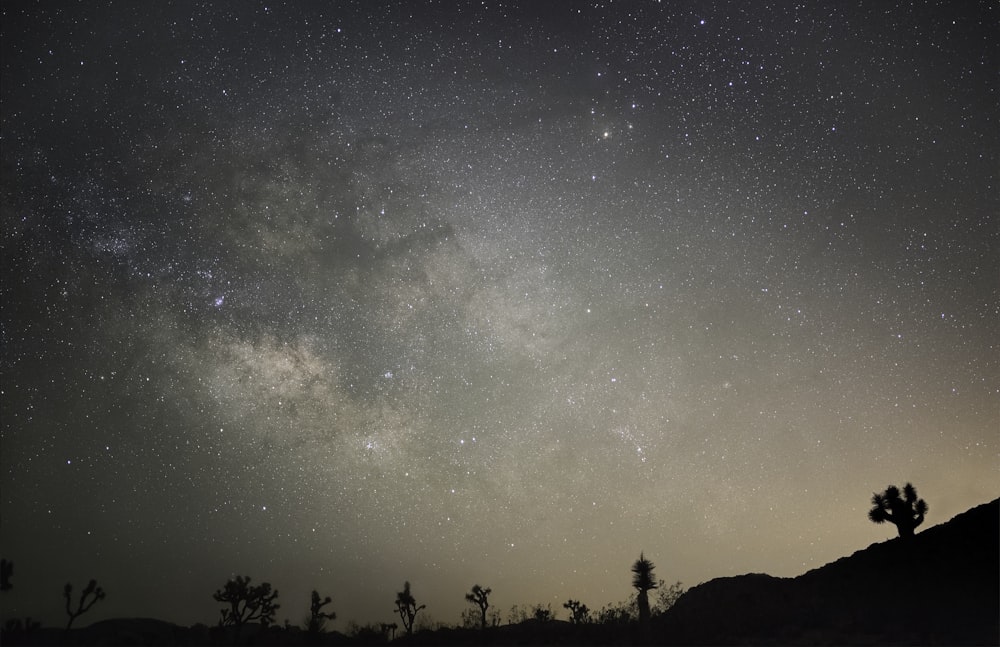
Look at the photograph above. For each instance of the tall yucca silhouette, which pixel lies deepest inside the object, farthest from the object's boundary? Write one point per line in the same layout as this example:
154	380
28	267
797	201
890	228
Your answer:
643	581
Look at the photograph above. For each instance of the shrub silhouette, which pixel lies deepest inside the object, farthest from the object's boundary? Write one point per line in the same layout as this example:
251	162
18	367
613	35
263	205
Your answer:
389	629
542	613
92	591
369	634
666	597
906	512
317	618
16	631
246	603
480	597
578	612
469	619
517	614
406	607
642	580
616	614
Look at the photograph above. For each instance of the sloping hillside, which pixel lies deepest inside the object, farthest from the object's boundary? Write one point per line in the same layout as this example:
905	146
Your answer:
940	587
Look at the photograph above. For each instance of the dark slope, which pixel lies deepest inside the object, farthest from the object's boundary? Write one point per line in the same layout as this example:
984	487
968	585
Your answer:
941	587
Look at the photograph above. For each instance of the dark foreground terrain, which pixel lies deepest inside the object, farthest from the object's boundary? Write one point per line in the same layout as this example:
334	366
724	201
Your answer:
942	587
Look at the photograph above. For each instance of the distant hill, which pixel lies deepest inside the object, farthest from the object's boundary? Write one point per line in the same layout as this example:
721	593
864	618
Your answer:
116	631
942	587
137	631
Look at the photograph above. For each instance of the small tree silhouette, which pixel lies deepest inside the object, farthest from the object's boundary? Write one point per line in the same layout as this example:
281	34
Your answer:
578	612
246	603
906	512
406	607
389	629
643	581
92	591
542	613
479	596
317	618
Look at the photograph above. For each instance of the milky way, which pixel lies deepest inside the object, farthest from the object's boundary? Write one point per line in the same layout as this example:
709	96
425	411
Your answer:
338	295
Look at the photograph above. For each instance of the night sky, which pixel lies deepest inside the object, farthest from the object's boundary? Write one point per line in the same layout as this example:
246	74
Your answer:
341	294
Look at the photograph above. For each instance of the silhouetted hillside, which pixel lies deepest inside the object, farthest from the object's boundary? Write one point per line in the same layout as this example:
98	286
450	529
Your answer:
940	587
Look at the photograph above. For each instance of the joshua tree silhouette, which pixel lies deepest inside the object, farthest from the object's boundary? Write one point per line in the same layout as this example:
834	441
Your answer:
317	618
246	603
643	581
578	612
406	607
479	597
906	512
92	591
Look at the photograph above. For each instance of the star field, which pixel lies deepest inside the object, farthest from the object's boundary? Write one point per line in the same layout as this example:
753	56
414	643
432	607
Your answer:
338	295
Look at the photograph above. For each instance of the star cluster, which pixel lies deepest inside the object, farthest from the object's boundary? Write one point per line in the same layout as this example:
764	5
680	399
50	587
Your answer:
337	295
